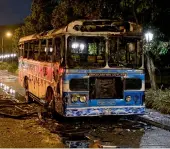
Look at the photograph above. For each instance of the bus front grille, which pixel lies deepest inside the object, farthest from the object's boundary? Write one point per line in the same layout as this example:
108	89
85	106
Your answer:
105	88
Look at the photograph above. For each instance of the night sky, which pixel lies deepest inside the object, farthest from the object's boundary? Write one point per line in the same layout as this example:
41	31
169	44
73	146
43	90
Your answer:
14	11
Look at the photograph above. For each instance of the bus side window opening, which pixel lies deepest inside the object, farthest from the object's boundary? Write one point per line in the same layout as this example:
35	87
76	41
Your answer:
25	50
36	49
42	50
30	50
57	49
20	48
49	50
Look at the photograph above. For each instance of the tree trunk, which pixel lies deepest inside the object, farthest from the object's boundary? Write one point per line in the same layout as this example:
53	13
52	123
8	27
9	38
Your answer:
134	14
151	71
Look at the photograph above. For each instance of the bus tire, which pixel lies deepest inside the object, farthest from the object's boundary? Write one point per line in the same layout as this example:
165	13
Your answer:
50	106
28	99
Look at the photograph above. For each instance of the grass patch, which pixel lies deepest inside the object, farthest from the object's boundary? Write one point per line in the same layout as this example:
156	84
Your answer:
158	100
3	65
11	67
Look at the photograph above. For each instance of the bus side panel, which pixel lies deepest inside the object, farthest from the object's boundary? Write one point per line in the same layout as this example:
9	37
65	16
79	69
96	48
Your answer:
45	78
20	73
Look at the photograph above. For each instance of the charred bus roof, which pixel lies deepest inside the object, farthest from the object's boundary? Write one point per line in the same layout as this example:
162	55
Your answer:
90	27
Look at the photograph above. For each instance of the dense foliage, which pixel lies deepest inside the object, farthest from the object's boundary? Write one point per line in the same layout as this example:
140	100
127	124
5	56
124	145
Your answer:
68	10
158	100
40	17
8	66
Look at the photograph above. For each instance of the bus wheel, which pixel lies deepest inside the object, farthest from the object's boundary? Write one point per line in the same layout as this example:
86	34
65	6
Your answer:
27	97
50	101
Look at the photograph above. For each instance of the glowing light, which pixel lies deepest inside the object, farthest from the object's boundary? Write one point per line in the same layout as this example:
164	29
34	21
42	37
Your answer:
149	36
12	91
7	87
75	45
7	56
82	46
1	84
51	49
8	34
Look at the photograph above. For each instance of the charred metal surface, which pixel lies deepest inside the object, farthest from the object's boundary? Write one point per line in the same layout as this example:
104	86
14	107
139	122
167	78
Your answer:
106	88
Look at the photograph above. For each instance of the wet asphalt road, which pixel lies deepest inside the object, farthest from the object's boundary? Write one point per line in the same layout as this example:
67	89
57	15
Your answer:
108	131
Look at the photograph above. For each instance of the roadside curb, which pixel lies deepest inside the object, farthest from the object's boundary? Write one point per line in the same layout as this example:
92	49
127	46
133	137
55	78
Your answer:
147	119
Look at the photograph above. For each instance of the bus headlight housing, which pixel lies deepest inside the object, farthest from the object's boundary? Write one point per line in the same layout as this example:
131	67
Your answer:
74	98
128	98
83	99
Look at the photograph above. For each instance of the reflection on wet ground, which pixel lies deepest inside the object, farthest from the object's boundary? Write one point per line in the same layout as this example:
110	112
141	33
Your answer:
13	105
11	92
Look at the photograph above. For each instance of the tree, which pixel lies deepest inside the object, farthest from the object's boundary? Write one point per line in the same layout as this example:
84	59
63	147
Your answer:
40	18
140	11
68	10
18	33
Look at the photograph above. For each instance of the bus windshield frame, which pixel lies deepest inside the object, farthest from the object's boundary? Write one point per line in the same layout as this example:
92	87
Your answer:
125	52
86	52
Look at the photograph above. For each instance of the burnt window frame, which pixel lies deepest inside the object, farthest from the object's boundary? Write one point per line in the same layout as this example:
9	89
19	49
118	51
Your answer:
78	80
125	86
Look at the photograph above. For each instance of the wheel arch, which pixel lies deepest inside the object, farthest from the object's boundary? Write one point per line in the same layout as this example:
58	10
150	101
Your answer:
24	82
49	89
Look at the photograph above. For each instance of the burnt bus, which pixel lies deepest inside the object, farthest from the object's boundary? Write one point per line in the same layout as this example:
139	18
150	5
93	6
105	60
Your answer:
90	68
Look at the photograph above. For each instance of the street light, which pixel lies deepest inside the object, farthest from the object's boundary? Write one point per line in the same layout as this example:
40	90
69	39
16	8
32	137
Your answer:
148	37
8	34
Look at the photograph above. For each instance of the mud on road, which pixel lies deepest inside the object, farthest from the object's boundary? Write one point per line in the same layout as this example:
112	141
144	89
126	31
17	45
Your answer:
20	127
26	134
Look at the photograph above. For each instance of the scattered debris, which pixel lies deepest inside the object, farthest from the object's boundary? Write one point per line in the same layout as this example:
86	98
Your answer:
12	109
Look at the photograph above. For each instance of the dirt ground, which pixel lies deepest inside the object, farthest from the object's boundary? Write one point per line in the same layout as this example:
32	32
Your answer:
26	134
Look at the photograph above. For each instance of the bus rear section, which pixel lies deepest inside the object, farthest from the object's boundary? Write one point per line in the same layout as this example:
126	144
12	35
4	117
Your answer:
104	92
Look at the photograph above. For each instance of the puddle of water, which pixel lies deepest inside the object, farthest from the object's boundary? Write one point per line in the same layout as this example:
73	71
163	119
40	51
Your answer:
77	144
12	92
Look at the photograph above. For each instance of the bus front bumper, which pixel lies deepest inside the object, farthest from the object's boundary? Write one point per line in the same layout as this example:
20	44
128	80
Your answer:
99	111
